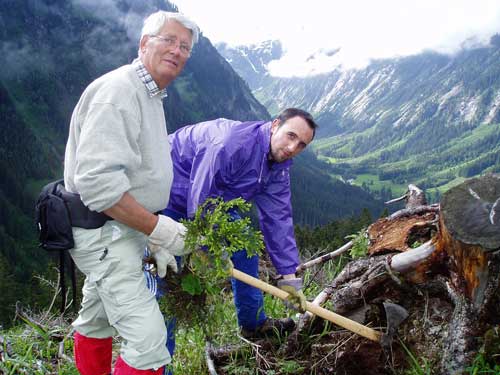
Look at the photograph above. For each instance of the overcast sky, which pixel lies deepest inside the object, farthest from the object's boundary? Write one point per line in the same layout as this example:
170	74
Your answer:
362	29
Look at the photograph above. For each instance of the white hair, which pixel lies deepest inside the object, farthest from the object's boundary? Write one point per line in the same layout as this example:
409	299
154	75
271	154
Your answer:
155	22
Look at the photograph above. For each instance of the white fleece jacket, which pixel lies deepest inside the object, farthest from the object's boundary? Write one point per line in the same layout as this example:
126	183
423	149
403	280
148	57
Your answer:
118	143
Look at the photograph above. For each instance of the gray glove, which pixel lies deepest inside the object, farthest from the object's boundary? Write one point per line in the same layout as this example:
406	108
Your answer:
296	300
166	241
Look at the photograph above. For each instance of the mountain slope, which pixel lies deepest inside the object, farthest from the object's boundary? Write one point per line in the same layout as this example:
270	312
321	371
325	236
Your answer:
251	61
50	51
317	198
418	119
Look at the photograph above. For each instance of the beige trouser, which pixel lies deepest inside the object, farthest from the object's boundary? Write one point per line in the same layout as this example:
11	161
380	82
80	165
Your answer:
115	295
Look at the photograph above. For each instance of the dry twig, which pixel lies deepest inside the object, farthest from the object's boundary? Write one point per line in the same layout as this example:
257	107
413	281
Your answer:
324	258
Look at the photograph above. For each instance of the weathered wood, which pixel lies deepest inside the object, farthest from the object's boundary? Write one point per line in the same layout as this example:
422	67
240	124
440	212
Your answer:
463	256
324	258
469	231
399	234
353	286
403	262
209	360
414	211
413	197
470	237
413	258
471	212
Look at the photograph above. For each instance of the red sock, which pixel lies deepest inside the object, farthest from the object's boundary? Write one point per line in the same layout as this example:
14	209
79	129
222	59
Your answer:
121	368
92	356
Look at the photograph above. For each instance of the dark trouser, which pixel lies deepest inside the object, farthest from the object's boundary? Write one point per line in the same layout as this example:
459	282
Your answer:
248	300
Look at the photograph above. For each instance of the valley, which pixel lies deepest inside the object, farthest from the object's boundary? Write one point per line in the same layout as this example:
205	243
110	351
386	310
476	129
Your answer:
429	119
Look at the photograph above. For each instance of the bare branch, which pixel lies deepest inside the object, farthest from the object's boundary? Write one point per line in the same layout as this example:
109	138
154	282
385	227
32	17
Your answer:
324	258
209	360
318	301
61	353
414	211
410	259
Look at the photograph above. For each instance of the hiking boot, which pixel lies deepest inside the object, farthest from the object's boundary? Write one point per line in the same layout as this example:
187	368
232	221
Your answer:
270	328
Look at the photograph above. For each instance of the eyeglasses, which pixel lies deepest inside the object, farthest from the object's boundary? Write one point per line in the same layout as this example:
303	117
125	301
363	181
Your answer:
172	42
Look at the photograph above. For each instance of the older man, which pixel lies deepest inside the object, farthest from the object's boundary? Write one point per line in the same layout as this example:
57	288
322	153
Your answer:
118	160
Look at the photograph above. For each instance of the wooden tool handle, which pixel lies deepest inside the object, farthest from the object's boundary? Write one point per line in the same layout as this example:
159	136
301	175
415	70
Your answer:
339	320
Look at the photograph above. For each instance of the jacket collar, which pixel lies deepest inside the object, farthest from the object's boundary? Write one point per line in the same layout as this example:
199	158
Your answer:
148	80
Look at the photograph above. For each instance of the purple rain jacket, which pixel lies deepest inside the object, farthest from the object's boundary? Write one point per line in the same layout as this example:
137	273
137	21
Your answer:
229	158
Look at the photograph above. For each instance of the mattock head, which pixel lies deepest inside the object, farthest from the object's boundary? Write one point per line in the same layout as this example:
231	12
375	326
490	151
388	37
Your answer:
395	315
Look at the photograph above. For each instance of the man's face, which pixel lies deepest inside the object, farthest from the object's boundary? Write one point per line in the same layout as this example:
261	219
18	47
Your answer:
290	138
162	61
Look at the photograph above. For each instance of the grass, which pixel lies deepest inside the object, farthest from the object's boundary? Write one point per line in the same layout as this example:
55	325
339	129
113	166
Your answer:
416	366
32	347
440	168
220	325
481	366
34	350
373	182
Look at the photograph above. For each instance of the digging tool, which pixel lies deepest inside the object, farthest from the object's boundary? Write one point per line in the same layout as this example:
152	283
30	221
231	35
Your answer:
395	314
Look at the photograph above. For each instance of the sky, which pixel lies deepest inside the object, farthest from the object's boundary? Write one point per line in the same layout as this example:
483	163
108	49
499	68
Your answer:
310	31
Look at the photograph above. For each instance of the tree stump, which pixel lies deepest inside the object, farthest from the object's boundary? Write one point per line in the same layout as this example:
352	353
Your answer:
470	230
459	268
470	237
450	286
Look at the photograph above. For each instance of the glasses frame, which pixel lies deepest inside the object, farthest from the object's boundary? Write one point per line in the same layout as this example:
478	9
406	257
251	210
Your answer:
172	42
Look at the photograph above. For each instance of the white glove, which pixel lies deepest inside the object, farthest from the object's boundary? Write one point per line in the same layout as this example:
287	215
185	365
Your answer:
163	260
166	241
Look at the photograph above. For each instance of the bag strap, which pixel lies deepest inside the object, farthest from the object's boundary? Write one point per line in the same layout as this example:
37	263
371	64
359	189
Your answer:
62	278
73	283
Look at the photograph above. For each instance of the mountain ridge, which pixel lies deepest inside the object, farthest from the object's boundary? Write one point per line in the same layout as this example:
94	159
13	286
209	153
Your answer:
51	50
379	119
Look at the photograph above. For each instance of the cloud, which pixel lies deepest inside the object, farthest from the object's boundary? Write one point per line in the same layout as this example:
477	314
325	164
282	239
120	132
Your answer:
363	30
127	14
112	15
17	60
114	37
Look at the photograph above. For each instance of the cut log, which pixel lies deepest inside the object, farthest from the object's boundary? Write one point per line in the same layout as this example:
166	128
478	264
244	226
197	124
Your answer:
470	237
459	264
469	232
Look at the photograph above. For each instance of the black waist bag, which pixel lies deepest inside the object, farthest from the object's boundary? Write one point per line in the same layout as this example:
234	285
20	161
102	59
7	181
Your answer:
53	222
56	212
53	219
